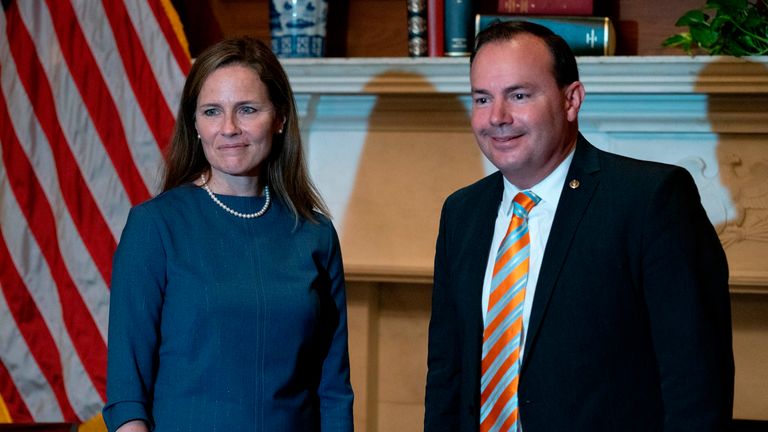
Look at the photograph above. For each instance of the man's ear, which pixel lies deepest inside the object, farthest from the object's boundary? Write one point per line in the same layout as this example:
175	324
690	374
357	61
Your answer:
574	96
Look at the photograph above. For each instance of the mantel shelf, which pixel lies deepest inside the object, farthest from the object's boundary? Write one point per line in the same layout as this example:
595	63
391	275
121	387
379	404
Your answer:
359	114
636	74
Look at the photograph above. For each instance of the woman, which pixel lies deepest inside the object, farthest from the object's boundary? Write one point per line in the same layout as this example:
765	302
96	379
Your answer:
227	305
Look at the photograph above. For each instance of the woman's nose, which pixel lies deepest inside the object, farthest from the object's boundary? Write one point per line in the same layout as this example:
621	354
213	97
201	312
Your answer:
230	126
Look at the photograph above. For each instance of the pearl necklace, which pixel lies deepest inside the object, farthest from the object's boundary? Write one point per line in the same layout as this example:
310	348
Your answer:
237	213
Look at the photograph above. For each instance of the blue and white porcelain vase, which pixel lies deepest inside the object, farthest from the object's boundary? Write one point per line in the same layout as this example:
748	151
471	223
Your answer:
297	27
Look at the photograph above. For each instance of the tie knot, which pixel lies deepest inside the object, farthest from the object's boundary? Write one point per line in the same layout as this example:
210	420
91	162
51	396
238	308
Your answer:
525	201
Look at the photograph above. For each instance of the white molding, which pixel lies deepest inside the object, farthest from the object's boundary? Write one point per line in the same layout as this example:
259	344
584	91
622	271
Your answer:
647	74
609	113
662	94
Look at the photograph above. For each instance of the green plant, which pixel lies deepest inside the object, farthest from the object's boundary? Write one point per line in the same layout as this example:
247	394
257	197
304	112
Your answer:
738	28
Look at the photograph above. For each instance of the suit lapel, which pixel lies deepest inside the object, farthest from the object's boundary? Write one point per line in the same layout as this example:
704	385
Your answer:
480	222
570	210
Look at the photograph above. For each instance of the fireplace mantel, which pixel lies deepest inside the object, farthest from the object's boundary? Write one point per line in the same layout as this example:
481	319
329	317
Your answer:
389	138
378	127
601	75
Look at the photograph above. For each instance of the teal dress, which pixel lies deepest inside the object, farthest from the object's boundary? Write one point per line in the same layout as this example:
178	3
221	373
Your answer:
219	323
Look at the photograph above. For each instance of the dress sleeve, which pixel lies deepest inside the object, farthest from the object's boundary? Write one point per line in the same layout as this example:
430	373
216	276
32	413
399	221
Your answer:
685	284
136	297
335	391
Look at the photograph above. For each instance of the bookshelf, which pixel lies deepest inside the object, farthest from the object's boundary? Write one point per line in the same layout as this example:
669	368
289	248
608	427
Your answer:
377	28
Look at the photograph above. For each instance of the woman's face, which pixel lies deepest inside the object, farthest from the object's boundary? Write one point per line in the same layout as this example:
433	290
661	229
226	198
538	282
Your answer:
236	121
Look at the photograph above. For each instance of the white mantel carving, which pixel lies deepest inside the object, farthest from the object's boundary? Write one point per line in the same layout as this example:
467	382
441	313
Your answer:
601	75
388	138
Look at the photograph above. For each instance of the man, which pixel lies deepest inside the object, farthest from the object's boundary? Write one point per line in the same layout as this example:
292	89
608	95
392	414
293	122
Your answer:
617	313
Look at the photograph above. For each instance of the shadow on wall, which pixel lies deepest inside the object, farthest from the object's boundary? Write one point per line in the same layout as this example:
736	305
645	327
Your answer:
741	124
418	149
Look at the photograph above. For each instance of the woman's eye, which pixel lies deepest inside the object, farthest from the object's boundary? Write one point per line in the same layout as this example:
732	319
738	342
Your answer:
248	110
209	112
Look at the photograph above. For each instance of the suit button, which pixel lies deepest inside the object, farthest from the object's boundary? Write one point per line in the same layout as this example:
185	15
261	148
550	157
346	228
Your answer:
526	402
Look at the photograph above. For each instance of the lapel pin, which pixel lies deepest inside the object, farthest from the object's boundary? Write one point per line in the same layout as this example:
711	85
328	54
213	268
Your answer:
574	184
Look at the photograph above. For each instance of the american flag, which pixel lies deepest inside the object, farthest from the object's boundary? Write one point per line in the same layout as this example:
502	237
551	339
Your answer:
88	96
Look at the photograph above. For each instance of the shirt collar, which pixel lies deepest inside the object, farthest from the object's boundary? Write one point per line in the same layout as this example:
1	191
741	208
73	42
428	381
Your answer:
548	189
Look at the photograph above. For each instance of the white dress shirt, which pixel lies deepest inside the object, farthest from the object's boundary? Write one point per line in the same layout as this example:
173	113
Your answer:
539	224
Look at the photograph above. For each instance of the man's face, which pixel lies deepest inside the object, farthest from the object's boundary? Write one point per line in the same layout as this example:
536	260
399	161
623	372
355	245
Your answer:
524	123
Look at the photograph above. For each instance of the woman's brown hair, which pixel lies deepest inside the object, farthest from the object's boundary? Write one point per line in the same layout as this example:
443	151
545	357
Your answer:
287	174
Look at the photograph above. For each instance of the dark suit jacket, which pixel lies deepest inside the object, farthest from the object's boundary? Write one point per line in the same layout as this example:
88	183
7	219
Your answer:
630	328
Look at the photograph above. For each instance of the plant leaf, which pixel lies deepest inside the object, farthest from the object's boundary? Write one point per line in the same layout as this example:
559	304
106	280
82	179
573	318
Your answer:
738	27
734	48
720	20
757	22
692	17
677	40
706	37
727	5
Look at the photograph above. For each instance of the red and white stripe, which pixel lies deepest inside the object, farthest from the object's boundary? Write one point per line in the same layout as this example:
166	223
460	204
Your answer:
88	93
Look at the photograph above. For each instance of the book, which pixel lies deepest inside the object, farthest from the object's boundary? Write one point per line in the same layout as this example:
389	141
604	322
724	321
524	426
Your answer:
546	7
457	27
587	36
417	28
435	22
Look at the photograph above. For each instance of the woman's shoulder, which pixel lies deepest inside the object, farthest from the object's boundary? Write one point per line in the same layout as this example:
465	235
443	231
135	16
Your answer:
320	227
165	206
322	220
170	198
318	222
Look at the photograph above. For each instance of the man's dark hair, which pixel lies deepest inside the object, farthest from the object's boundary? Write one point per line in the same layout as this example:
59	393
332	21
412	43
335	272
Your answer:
565	69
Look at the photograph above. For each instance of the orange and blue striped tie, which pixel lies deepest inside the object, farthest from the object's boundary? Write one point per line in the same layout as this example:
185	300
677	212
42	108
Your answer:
504	322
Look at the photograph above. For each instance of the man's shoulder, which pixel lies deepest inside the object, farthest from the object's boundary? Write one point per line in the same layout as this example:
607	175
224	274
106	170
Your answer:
483	189
632	171
620	170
